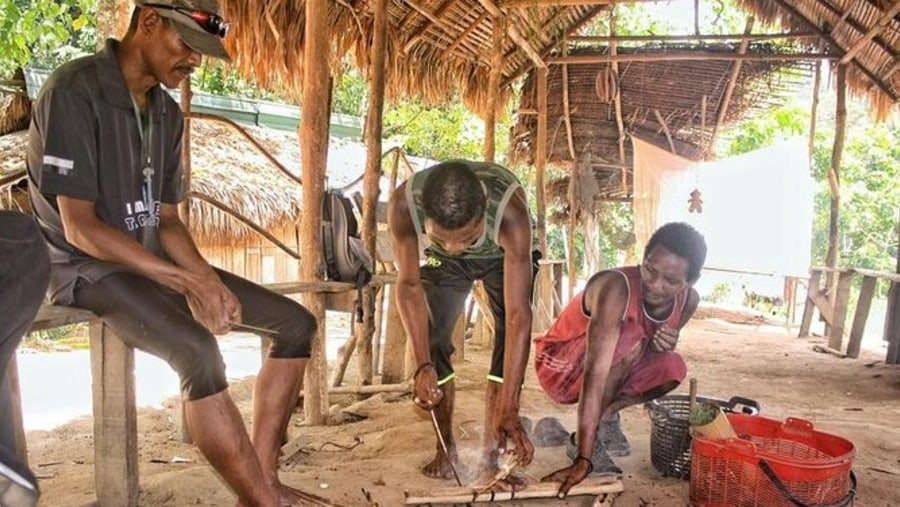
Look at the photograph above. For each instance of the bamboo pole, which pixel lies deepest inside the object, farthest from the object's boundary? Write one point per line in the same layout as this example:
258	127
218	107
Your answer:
814	108
606	39
617	98
184	208
729	88
314	155
540	320
371	188
567	114
593	486
834	171
490	118
680	56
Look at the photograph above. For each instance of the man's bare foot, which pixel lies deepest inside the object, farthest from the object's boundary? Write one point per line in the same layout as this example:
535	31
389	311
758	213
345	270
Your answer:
440	468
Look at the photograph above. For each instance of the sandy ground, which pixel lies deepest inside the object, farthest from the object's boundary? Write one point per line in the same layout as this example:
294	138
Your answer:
857	399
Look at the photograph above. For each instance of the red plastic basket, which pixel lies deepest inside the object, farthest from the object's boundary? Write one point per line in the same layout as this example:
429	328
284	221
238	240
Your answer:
772	464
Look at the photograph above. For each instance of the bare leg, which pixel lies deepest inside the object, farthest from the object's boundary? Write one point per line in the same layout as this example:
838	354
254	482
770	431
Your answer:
218	430
626	401
440	465
274	398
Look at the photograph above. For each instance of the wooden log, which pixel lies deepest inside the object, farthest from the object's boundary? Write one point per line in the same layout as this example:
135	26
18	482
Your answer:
810	306
115	418
314	160
493	102
394	342
594	486
372	389
841	300
540	163
680	56
834	173
866	291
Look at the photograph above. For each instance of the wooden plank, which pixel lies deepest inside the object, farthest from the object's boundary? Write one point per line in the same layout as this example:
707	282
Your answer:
592	486
866	291
892	325
841	300
115	418
809	308
50	316
824	306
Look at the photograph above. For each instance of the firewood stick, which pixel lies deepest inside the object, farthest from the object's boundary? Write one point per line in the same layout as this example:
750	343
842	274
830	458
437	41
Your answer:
590	486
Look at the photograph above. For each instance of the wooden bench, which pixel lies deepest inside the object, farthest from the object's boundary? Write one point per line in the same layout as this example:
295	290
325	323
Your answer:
113	389
834	306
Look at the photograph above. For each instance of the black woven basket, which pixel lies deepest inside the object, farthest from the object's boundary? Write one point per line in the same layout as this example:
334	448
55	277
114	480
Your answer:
670	440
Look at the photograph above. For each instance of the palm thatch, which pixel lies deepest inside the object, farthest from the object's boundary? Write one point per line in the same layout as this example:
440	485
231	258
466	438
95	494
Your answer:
442	48
868	28
427	59
227	168
661	100
15	108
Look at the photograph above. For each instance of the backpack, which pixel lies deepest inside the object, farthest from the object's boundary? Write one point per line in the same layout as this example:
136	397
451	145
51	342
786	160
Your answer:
346	258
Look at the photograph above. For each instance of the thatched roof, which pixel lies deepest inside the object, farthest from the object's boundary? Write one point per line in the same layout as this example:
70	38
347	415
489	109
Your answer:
672	91
438	47
431	60
228	169
868	29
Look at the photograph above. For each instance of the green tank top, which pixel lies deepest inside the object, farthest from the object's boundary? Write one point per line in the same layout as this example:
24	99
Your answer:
499	184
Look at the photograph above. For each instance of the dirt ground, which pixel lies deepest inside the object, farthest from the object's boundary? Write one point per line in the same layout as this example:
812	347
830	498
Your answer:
857	399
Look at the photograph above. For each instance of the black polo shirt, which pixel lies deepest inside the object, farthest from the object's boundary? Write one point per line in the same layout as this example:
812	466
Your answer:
86	142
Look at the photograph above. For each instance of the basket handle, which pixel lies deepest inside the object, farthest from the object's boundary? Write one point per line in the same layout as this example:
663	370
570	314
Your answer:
739	404
847	500
797	426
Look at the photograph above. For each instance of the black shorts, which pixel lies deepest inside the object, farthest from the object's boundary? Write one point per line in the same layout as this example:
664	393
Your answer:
157	320
447	282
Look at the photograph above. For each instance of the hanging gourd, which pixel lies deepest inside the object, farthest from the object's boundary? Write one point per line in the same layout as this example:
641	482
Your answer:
605	84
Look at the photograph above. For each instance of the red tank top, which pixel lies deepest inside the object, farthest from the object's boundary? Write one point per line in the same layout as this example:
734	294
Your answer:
637	327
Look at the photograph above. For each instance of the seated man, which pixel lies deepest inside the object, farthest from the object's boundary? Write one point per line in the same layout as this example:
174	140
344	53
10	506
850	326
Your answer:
613	345
105	177
473	218
24	274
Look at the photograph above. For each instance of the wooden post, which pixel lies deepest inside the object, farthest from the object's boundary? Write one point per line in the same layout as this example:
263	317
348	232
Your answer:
115	418
812	288
112	20
490	116
459	339
567	113
542	285
839	313
379	320
866	291
834	178
394	343
314	156
10	383
617	98
366	329
571	265
892	319
184	208
814	108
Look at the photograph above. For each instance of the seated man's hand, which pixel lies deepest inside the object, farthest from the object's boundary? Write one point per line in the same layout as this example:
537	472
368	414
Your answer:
426	393
569	476
665	339
509	428
213	304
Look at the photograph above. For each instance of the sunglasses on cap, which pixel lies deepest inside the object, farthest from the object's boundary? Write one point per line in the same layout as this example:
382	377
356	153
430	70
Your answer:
208	21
